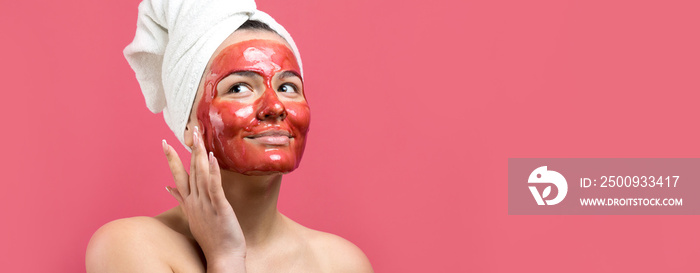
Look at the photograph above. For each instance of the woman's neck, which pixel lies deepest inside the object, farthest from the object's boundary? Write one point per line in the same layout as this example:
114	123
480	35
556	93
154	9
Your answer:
254	200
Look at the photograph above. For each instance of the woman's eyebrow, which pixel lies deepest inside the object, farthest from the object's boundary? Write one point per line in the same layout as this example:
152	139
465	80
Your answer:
289	74
249	74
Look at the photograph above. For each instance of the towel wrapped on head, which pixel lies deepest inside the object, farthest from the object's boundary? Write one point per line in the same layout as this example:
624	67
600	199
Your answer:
173	43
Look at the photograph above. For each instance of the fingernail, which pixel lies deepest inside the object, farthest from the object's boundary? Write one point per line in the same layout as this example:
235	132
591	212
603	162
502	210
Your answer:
195	138
211	158
168	189
165	146
199	134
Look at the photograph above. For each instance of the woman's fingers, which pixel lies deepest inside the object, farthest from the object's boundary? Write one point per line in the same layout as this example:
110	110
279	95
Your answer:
198	183
202	165
216	191
177	169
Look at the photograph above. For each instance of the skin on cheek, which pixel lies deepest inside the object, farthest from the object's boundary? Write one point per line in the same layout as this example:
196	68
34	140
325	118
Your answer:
229	125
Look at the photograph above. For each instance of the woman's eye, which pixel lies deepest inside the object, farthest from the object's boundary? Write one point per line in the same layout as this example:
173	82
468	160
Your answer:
287	87
239	88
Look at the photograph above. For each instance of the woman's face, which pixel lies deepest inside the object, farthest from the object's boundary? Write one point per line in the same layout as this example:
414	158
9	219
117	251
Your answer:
253	112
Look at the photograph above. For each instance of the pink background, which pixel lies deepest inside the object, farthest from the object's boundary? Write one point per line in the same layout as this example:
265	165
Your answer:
415	109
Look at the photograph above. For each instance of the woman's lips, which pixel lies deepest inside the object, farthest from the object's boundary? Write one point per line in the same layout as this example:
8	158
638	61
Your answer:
274	138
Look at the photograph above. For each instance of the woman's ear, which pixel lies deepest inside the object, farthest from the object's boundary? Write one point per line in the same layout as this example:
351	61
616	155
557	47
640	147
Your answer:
189	130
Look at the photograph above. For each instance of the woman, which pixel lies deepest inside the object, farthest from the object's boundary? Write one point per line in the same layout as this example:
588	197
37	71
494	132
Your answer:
247	127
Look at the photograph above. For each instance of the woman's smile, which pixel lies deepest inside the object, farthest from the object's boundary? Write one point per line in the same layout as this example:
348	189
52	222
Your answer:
271	137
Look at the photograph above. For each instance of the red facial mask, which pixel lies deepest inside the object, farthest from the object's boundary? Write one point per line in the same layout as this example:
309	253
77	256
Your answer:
265	132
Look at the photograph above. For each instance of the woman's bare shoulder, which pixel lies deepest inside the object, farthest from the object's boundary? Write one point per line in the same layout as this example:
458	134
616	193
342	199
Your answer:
335	253
136	244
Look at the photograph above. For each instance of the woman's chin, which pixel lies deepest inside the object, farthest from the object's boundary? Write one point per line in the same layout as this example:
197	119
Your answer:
273	167
262	173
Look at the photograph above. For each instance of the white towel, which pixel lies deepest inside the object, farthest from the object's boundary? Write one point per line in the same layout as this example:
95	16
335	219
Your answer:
173	43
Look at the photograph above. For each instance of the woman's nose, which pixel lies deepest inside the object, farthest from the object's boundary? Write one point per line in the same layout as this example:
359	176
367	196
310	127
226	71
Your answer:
271	107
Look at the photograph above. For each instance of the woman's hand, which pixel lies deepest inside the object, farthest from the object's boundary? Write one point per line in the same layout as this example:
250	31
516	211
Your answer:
211	219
